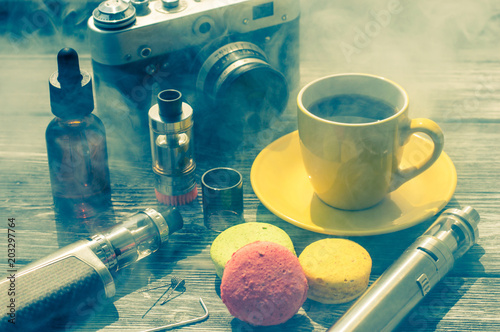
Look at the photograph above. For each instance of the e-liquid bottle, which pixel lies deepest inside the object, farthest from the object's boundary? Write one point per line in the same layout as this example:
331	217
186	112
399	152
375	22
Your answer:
76	142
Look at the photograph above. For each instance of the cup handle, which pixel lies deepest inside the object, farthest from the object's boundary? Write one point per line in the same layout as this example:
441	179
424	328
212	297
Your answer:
430	128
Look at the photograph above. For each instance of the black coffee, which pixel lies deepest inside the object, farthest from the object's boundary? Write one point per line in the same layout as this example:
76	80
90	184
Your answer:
352	108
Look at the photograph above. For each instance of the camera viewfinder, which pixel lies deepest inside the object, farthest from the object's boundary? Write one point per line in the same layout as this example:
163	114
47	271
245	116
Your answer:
264	10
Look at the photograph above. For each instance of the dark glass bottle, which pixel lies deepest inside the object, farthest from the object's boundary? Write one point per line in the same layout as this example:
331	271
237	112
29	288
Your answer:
76	143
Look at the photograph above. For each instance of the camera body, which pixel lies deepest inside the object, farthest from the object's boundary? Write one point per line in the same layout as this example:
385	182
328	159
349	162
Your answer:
233	60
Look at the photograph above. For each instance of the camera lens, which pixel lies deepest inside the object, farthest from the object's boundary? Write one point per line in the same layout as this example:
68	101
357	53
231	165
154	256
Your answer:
238	79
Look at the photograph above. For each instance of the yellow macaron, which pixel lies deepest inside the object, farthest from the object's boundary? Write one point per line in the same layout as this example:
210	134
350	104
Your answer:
337	270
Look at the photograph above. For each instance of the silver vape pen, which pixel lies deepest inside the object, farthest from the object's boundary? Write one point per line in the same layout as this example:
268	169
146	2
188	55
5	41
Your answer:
414	274
83	272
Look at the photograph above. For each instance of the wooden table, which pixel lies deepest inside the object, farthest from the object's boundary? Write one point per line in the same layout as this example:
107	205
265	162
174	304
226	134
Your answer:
458	87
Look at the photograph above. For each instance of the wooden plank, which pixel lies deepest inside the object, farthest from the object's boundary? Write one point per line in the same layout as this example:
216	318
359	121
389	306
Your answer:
467	300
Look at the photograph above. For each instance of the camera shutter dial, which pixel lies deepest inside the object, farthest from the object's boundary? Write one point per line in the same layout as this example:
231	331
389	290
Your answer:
170	4
141	6
113	14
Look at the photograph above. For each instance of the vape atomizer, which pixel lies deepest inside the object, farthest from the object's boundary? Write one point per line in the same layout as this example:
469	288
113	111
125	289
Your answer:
170	124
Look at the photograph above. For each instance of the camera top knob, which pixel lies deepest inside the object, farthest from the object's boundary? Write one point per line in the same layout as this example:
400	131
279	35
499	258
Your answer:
113	14
141	6
170	4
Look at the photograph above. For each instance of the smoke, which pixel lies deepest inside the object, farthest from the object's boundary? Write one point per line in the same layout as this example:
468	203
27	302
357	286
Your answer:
394	37
400	39
340	34
382	36
43	26
410	42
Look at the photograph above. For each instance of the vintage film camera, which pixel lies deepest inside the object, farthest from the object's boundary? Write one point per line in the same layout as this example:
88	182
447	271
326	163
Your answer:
234	61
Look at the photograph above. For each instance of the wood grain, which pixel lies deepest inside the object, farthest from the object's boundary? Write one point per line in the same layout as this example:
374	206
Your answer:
464	99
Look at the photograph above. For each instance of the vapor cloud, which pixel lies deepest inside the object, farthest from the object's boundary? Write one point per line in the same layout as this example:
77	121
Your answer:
388	36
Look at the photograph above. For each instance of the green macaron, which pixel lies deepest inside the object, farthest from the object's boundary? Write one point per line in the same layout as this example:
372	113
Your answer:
240	235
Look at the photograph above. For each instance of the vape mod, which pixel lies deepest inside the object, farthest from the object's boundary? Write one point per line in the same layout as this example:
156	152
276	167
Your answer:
83	272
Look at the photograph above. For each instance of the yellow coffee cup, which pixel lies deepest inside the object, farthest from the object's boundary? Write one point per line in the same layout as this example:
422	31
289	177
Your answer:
353	129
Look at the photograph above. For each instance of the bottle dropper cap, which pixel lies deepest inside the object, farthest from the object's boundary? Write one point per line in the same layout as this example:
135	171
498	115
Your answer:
70	88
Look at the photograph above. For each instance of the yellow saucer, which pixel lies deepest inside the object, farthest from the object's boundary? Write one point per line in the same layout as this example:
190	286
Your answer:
280	181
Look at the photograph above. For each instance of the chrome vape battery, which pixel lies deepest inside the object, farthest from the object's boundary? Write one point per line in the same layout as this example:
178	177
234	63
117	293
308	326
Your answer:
414	274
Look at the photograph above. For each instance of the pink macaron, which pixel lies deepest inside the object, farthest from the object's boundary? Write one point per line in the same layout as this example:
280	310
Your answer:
263	284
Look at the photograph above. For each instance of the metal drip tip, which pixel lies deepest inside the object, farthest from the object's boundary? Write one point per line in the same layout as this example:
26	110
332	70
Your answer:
170	105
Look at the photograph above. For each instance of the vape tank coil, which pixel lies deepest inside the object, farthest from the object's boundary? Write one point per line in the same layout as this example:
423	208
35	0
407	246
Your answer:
170	124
